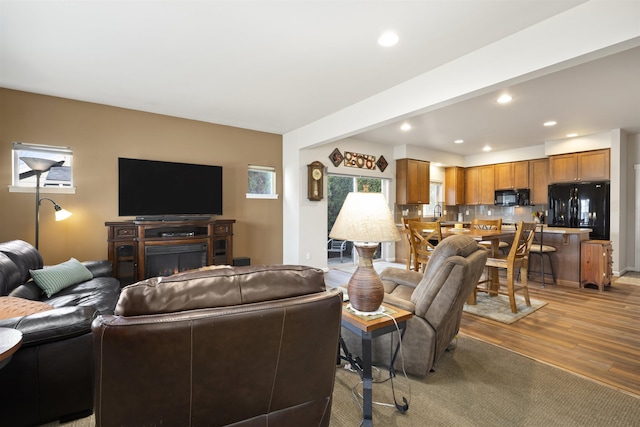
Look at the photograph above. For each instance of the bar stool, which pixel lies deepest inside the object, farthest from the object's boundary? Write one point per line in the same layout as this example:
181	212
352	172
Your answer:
541	250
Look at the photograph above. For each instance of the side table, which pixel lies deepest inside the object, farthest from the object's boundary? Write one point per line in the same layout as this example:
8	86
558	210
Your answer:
367	329
10	342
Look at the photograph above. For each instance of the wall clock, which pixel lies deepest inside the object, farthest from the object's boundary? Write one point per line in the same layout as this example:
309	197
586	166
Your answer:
315	181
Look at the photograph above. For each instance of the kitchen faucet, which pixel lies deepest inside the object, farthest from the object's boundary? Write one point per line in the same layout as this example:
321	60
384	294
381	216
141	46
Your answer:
438	209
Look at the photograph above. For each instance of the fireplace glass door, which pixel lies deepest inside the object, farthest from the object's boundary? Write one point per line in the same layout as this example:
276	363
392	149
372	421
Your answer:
166	260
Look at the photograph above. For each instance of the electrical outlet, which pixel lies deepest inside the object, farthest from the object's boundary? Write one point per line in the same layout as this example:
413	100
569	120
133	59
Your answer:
489	212
467	213
308	255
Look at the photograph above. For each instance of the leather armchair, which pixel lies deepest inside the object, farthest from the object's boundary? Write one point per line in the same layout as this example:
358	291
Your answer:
435	298
242	346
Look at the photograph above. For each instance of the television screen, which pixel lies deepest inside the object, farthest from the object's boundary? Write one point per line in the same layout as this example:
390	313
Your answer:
160	189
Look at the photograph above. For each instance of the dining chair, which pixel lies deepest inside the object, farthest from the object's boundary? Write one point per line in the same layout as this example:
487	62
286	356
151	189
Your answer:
516	260
489	224
424	238
407	240
542	250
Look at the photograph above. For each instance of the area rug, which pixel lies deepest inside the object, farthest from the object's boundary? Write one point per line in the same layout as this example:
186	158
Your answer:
627	280
479	384
498	308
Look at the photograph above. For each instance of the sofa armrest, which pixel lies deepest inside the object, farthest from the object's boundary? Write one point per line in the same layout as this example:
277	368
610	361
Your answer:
52	325
100	268
401	277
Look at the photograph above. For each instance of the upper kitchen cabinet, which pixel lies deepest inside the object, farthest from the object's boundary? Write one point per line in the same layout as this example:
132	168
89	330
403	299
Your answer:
584	166
480	185
538	181
513	175
412	182
454	186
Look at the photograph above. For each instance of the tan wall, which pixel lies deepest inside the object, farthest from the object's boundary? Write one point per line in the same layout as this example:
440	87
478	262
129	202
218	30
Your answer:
100	134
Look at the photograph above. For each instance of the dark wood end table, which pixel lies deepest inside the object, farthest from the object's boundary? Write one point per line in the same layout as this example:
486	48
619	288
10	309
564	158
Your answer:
367	330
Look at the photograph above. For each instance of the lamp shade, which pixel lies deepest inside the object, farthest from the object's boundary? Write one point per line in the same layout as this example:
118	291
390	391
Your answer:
365	217
37	164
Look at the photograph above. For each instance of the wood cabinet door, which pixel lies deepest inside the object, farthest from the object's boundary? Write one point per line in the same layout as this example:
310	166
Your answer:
504	176
521	175
563	168
539	181
487	185
412	182
472	186
454	186
593	165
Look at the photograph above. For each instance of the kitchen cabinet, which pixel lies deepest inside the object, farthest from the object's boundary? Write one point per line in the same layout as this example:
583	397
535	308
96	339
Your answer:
480	185
596	263
584	166
538	181
412	182
454	186
513	175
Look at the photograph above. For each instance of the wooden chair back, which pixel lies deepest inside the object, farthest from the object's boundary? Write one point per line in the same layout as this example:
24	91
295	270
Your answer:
486	224
407	240
517	260
423	235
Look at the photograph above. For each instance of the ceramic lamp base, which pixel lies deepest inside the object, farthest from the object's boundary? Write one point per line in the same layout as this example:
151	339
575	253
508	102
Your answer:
365	287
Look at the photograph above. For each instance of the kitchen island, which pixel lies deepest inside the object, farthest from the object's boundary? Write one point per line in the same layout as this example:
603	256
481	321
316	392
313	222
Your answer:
566	259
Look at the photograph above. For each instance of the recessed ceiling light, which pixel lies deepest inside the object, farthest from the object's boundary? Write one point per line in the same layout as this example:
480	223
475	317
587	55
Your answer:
388	38
437	164
405	127
504	99
550	123
571	135
458	141
486	148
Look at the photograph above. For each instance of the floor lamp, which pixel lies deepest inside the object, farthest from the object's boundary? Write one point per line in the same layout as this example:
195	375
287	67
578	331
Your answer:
365	219
39	166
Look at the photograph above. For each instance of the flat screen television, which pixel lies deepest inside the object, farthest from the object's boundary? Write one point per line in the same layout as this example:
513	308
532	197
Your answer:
152	190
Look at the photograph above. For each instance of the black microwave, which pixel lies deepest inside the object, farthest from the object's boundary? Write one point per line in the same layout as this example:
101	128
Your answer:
512	197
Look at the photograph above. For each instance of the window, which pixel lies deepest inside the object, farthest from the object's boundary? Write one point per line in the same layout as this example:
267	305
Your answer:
57	178
262	182
436	200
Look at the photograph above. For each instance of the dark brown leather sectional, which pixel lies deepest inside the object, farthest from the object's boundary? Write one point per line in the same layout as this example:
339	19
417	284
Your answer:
51	376
243	346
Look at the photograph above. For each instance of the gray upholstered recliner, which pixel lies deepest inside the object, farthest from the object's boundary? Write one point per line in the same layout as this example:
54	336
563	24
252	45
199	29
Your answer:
435	299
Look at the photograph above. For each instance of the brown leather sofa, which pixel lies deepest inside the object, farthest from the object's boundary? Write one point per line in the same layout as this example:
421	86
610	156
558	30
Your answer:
242	346
50	377
435	298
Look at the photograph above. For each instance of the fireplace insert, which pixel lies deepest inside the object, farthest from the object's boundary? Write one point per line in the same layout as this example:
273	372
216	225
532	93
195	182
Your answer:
166	260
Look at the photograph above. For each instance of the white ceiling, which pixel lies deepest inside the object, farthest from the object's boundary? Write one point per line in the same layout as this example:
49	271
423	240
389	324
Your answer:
276	66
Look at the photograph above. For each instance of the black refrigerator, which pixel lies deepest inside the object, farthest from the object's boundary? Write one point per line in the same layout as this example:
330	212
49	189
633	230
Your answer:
584	205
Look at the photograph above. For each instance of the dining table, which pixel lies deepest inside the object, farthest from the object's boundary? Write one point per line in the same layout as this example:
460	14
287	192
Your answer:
492	236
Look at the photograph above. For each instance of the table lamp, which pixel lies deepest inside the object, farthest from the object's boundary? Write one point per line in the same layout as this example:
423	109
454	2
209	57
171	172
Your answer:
365	219
39	166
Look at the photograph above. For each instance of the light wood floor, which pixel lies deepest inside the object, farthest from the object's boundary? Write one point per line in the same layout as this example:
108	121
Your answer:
590	333
593	334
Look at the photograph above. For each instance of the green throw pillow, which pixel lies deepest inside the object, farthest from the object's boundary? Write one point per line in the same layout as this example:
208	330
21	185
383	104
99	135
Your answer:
55	278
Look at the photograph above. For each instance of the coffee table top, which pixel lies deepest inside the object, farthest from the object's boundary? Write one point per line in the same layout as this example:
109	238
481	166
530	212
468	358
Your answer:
376	322
10	341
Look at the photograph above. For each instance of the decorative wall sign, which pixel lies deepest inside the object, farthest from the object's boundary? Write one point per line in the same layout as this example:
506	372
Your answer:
382	163
357	160
336	157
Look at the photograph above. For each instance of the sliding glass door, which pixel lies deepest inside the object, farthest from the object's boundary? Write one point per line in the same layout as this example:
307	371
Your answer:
338	186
